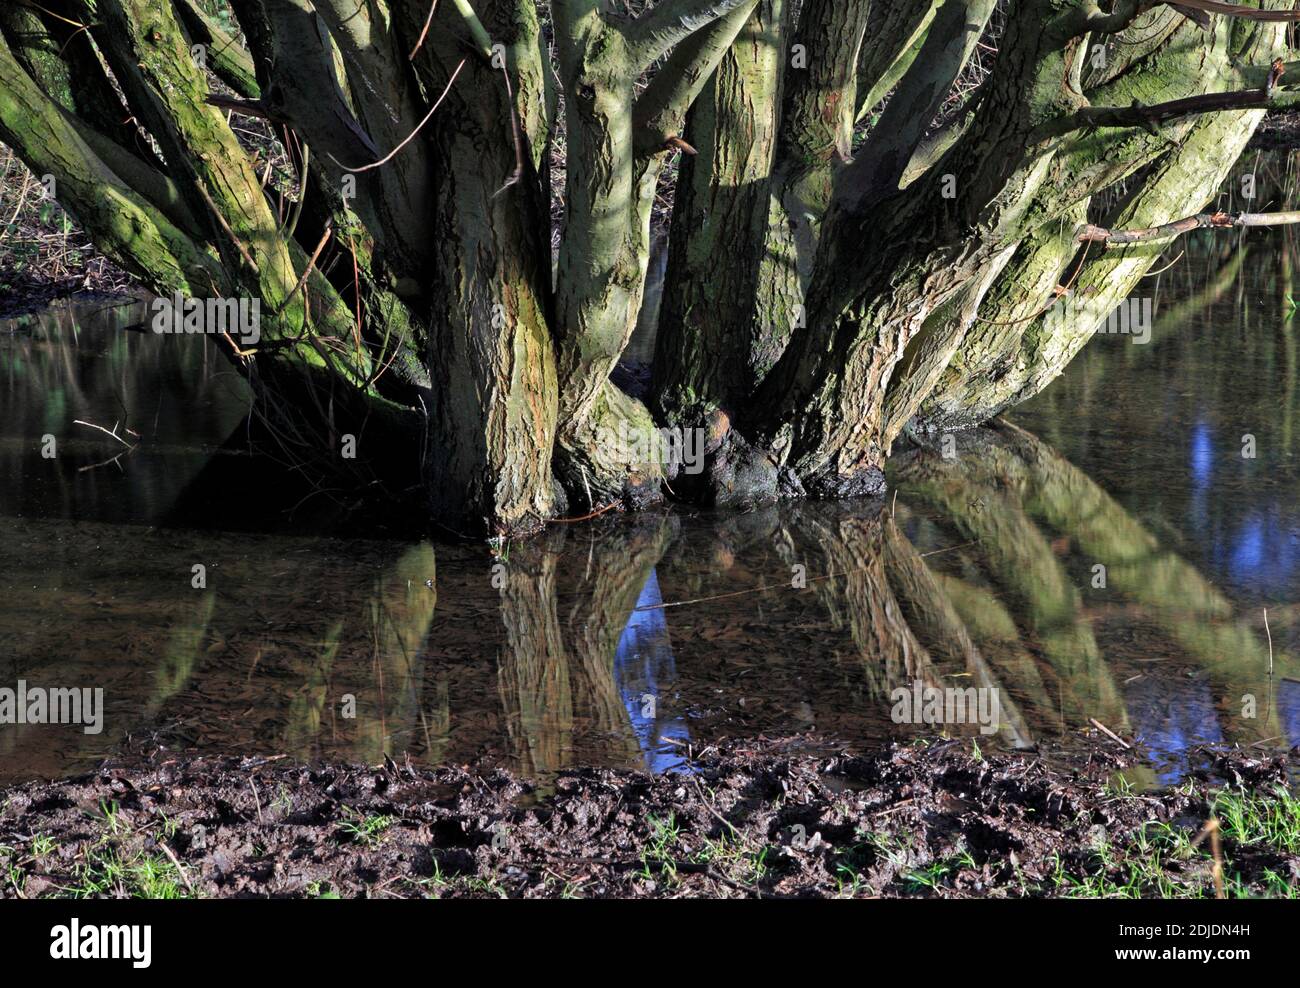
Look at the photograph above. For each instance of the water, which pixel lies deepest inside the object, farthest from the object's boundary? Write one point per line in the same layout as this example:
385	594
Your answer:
630	641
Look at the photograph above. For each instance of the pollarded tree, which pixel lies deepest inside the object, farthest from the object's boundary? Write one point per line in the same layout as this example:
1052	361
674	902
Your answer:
868	235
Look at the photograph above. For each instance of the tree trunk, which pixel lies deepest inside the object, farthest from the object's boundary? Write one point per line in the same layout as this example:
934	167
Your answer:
825	290
714	322
491	419
823	407
1017	349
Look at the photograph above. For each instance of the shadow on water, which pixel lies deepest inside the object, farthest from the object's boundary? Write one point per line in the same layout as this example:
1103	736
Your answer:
628	641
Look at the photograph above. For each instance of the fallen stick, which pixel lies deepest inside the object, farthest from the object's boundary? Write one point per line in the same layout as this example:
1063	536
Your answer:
1109	733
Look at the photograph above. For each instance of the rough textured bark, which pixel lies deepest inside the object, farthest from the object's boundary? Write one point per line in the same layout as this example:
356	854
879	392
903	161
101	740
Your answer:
1017	351
883	60
825	284
768	156
931	241
126	226
491	418
605	244
714	325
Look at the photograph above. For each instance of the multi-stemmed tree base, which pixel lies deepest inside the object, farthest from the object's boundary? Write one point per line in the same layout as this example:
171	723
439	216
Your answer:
843	270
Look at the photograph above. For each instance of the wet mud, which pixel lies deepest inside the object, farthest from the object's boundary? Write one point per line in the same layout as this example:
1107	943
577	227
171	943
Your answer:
760	818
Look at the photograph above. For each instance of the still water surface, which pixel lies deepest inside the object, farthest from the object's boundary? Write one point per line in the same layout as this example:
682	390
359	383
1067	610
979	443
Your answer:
625	641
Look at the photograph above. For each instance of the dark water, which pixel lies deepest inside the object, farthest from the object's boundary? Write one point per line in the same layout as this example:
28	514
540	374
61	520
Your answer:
624	641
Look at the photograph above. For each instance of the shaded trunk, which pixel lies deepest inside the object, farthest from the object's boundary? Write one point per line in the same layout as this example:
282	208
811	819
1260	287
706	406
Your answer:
716	333
491	417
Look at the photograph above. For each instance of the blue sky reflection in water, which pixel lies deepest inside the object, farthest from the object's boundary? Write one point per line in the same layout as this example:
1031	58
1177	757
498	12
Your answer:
645	671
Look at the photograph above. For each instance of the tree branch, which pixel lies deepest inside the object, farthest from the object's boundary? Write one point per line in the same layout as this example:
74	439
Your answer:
248	107
653	33
1201	221
659	115
1147	117
127	227
881	65
1125	12
1236	10
229	61
409	137
570	18
141	177
1089	18
482	40
879	167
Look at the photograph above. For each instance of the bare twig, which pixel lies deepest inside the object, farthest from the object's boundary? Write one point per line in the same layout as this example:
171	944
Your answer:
1109	733
424	32
57	17
239	244
1202	221
248	107
1211	830
107	432
518	173
587	517
179	867
1237	10
329	230
256	799
409	137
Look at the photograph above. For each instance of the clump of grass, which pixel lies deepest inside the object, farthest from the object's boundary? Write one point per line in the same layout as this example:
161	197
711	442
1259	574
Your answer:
1271	820
122	861
936	874
438	885
735	860
363	829
107	871
1166	861
42	844
658	855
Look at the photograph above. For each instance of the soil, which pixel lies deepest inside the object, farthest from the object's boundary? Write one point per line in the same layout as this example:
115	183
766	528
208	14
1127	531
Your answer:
764	818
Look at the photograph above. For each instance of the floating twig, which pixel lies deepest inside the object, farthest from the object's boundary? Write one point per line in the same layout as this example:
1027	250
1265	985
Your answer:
1270	642
107	432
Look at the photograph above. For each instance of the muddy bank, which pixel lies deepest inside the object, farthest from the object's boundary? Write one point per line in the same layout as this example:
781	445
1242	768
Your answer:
753	819
23	296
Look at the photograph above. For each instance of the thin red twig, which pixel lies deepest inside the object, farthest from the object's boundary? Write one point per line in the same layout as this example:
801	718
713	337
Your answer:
427	21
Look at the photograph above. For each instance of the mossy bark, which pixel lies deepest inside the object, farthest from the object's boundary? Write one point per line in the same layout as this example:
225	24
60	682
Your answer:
823	408
491	420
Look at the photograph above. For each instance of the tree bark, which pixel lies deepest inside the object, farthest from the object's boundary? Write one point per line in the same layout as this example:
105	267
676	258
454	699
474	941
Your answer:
491	417
716	338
